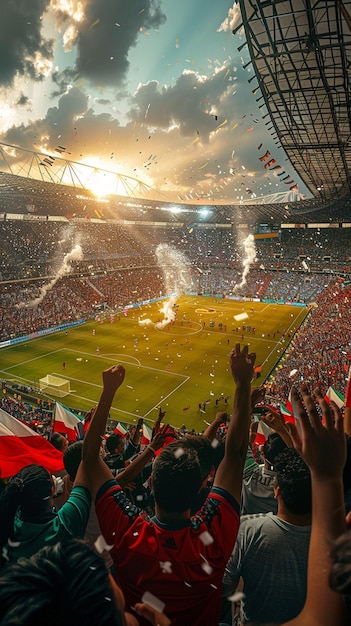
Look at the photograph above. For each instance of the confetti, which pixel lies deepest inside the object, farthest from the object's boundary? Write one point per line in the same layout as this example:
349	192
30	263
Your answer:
152	601
206	538
101	545
241	316
236	597
207	568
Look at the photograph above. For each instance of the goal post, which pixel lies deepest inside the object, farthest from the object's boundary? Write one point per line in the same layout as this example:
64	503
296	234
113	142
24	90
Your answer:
55	386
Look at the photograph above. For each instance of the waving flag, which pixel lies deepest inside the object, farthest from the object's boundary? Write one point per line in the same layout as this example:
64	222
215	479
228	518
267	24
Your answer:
147	435
335	396
66	422
21	446
120	429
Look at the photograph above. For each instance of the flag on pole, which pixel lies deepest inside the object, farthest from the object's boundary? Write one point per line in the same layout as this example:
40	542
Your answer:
66	422
21	446
335	396
147	435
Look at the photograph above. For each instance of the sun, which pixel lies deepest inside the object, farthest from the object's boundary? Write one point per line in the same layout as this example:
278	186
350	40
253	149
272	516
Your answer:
101	183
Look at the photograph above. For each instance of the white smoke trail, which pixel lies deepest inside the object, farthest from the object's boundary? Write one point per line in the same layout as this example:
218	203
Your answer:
250	257
177	277
75	255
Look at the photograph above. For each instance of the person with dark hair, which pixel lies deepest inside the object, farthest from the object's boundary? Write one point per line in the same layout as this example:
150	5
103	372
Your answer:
28	520
271	551
176	477
321	443
59	441
117	453
206	457
178	559
62	584
66	585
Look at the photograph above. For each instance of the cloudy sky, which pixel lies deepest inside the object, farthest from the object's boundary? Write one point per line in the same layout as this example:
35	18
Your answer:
153	89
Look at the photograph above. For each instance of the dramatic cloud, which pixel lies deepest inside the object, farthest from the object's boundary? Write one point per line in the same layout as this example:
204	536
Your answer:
23	49
104	31
122	88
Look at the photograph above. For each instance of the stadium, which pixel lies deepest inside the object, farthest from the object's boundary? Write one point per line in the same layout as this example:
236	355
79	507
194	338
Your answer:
175	219
69	255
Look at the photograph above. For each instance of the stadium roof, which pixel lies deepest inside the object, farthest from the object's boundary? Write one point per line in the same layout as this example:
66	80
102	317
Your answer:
301	55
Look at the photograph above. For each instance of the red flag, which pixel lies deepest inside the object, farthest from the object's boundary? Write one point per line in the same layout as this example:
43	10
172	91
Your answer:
21	446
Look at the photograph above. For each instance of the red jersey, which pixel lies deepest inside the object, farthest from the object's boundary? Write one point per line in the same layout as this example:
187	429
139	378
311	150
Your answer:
181	564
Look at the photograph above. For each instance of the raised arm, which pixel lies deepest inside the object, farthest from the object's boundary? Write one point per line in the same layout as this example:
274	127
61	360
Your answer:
211	430
97	471
134	468
230	471
323	448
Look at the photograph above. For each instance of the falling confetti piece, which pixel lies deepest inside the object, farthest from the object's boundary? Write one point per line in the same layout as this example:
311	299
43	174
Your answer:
221	124
207	568
178	453
94	24
236	597
206	538
153	601
101	545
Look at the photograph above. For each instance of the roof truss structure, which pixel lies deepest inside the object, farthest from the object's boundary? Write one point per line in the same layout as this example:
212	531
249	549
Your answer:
301	55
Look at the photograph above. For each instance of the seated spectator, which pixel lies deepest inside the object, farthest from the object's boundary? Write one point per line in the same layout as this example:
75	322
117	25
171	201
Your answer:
28	520
271	551
172	555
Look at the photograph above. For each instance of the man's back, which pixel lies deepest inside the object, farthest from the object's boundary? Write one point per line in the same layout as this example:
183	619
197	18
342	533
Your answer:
271	556
181	564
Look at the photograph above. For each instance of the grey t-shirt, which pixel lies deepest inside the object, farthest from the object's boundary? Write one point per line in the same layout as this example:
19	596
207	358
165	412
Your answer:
271	556
258	491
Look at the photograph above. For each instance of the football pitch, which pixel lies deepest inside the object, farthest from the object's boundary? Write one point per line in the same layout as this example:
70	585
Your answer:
179	367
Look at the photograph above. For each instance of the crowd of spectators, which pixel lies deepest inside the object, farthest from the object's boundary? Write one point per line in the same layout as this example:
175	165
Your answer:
163	564
119	266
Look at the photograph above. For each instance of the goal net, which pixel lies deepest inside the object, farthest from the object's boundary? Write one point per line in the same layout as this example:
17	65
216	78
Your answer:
55	385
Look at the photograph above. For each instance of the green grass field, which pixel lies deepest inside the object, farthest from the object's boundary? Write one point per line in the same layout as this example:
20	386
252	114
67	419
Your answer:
178	367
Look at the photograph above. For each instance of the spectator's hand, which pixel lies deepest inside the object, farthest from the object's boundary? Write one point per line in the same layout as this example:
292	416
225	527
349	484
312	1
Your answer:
322	446
153	616
257	395
241	364
157	424
274	420
221	418
159	438
113	378
58	485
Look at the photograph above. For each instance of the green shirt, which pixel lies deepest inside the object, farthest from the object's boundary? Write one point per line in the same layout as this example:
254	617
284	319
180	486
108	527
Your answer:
70	522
